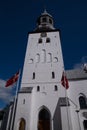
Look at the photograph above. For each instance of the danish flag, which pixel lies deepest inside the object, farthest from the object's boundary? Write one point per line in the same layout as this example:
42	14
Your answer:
12	80
64	81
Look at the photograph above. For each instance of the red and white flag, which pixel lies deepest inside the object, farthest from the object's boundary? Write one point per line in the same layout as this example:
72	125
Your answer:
12	80
64	81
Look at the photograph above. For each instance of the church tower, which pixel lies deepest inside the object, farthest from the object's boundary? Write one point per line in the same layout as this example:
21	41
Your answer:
41	103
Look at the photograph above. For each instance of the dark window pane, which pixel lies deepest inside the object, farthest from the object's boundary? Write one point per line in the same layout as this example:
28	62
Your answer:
85	124
82	102
53	75
38	88
33	75
50	21
56	88
44	19
48	40
40	40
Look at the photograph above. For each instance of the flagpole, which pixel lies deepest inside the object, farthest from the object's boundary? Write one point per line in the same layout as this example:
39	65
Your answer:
15	102
66	99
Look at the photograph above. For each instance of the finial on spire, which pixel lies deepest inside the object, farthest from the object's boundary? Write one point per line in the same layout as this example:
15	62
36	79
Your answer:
45	11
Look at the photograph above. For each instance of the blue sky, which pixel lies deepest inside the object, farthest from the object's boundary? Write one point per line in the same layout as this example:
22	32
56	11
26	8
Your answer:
18	17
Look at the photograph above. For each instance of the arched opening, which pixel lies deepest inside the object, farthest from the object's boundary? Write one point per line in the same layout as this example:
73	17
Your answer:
85	124
44	120
22	124
82	102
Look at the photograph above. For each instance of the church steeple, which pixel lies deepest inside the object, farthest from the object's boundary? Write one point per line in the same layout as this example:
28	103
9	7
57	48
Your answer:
45	22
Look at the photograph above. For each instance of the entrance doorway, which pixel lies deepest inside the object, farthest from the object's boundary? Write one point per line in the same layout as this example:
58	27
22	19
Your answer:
44	120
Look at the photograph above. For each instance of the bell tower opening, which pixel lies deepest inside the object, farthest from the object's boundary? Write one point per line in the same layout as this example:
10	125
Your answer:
44	120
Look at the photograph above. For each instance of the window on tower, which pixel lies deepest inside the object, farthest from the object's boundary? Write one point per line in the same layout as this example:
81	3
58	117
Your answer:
50	21
33	75
43	34
44	19
48	40
53	75
38	88
23	101
55	88
40	40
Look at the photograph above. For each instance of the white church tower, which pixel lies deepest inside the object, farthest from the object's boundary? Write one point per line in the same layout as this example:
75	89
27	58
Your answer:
41	103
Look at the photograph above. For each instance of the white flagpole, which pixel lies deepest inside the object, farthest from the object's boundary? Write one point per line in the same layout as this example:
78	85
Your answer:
15	101
66	99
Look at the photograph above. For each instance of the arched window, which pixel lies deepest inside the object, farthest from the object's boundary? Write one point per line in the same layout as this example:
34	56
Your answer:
31	61
22	124
55	59
44	120
38	88
53	75
85	124
82	102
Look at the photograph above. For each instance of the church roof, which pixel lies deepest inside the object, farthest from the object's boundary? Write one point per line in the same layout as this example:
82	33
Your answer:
76	74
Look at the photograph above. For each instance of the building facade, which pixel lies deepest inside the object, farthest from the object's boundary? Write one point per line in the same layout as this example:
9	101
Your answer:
43	103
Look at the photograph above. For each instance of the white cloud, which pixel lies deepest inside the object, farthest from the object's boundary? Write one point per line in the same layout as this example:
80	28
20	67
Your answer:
81	64
77	65
6	93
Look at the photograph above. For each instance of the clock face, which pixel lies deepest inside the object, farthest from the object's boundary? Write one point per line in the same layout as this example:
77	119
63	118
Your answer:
43	34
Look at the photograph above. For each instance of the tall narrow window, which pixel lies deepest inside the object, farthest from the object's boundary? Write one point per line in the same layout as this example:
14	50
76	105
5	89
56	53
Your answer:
85	124
55	88
33	75
50	21
47	40
82	102
40	40
23	101
22	124
38	88
53	75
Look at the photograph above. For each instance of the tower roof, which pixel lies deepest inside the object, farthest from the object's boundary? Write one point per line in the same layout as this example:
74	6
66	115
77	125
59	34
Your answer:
45	22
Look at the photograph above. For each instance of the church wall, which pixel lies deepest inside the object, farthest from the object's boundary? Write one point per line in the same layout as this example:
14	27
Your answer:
23	110
75	90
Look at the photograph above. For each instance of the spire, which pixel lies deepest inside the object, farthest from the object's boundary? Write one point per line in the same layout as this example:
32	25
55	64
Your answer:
45	22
